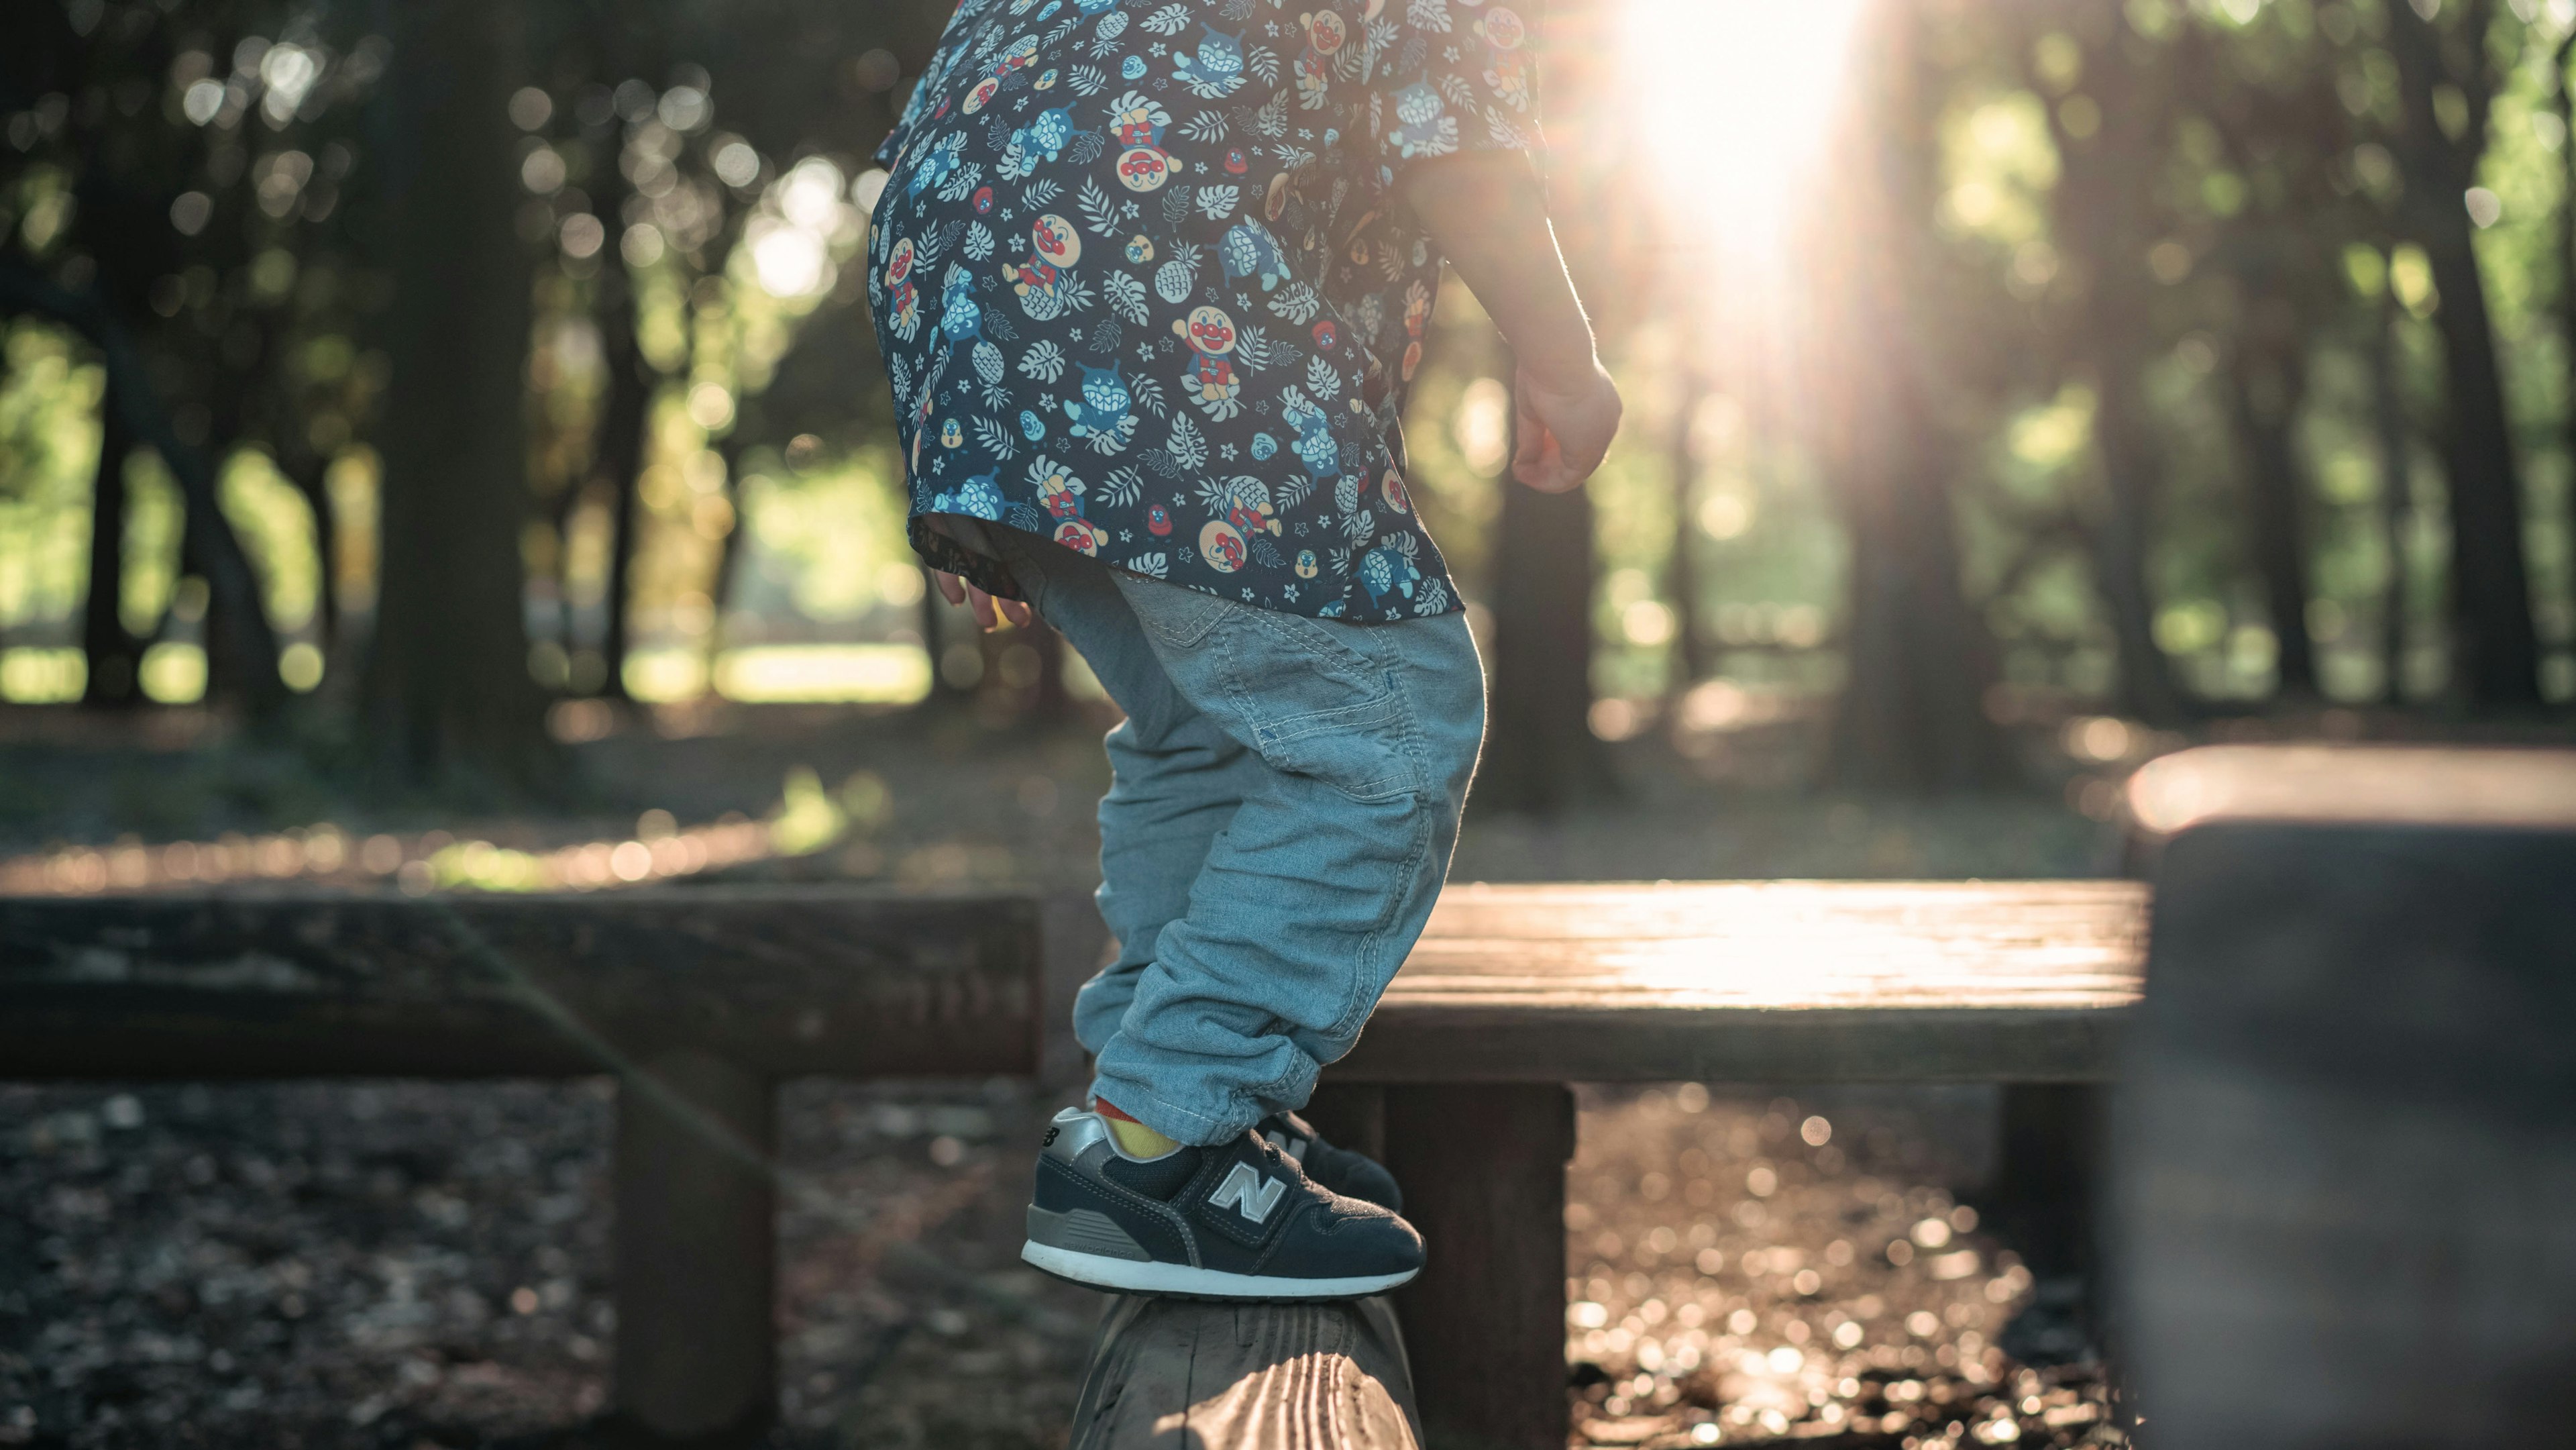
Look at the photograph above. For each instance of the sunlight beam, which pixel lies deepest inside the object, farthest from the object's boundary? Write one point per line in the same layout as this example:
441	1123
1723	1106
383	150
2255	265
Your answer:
1736	98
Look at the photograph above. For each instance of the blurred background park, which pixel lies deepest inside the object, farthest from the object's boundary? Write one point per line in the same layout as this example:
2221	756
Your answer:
442	443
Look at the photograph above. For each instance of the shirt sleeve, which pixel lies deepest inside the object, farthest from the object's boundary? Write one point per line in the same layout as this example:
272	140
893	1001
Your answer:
1456	75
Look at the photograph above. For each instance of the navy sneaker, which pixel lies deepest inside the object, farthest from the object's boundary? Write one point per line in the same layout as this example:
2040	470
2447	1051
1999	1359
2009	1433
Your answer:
1348	1173
1240	1220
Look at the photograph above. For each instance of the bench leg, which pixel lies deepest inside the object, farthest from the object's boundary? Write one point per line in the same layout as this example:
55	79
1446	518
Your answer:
1483	1169
2043	1207
696	1247
1352	1117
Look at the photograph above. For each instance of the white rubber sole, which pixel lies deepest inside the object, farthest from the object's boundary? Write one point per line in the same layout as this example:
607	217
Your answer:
1130	1276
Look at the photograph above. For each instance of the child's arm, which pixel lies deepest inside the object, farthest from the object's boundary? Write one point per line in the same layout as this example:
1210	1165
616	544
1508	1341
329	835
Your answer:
1488	212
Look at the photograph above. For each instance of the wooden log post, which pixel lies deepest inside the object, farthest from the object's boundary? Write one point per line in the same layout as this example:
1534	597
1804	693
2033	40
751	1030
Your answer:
696	1252
1181	1374
1483	1169
2344	1145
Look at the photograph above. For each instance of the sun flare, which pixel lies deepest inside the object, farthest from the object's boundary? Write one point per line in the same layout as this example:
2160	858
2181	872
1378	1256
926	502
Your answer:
1736	98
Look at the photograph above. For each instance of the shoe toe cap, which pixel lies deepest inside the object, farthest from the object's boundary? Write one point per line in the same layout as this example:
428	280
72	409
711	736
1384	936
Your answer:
1355	1244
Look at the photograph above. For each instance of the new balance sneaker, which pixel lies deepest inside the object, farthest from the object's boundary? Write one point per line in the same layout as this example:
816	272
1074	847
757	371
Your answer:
1240	1220
1346	1172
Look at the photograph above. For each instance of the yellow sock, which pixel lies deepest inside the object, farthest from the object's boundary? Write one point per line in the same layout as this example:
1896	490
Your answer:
1134	1138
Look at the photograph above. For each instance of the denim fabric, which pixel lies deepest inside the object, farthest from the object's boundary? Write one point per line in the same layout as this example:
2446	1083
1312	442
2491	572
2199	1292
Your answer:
1285	795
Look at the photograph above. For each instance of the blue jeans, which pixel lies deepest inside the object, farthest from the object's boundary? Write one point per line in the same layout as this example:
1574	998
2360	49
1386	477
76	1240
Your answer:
1284	797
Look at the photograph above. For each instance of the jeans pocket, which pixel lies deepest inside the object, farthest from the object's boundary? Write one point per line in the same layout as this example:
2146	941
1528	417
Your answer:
1318	705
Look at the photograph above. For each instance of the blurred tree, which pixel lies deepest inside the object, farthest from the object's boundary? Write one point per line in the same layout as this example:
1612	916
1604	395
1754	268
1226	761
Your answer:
1912	715
1691	661
448	695
178	359
2394	443
2448	72
2111	137
113	655
2284	136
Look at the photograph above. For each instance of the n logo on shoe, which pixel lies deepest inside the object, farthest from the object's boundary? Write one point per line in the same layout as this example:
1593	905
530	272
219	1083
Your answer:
1248	1193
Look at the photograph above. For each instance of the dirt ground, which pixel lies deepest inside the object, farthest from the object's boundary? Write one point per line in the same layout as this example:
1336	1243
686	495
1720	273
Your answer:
404	1264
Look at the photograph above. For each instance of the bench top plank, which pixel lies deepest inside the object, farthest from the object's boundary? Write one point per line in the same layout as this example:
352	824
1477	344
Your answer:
292	983
1764	981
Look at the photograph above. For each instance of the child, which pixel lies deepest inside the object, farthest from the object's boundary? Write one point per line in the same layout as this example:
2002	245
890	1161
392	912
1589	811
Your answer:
1152	279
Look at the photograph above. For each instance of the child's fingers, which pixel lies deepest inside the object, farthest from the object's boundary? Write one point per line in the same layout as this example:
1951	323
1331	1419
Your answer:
951	588
1529	434
1545	468
982	604
1016	611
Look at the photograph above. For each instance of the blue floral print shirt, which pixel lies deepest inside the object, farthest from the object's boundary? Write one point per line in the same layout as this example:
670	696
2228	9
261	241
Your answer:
1144	285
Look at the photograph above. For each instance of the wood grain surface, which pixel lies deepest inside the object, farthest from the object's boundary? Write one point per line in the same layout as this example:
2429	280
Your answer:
1177	1374
1767	981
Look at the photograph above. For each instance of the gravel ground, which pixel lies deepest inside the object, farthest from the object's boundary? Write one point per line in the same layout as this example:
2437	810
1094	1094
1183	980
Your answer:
407	1265
1746	1269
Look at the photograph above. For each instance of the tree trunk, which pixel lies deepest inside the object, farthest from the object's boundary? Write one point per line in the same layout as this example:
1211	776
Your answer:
447	691
112	653
1540	753
2490	585
2396	496
2565	101
1691	663
310	472
2498	646
237	628
2103	218
619	455
1913	711
2266	386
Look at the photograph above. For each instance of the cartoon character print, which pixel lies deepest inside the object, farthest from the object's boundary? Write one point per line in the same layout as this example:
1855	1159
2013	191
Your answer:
1217	287
1054	247
1103	414
902	294
1211	381
1326	32
1214	71
1046	138
1507	70
979	497
1248	250
1314	446
937	164
1136	123
1423	125
1386	570
1058	491
1221	544
1417	321
1009	72
1244	503
961	317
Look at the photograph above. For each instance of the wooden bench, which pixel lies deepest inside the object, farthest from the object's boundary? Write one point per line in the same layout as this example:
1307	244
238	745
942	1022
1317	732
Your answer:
1462	1082
700	999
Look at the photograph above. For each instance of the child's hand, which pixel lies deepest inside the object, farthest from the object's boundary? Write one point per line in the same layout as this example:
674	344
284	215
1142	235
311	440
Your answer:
1565	427
958	591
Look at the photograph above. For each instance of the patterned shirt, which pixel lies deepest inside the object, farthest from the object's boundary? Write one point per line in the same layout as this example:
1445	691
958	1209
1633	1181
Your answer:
1144	285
